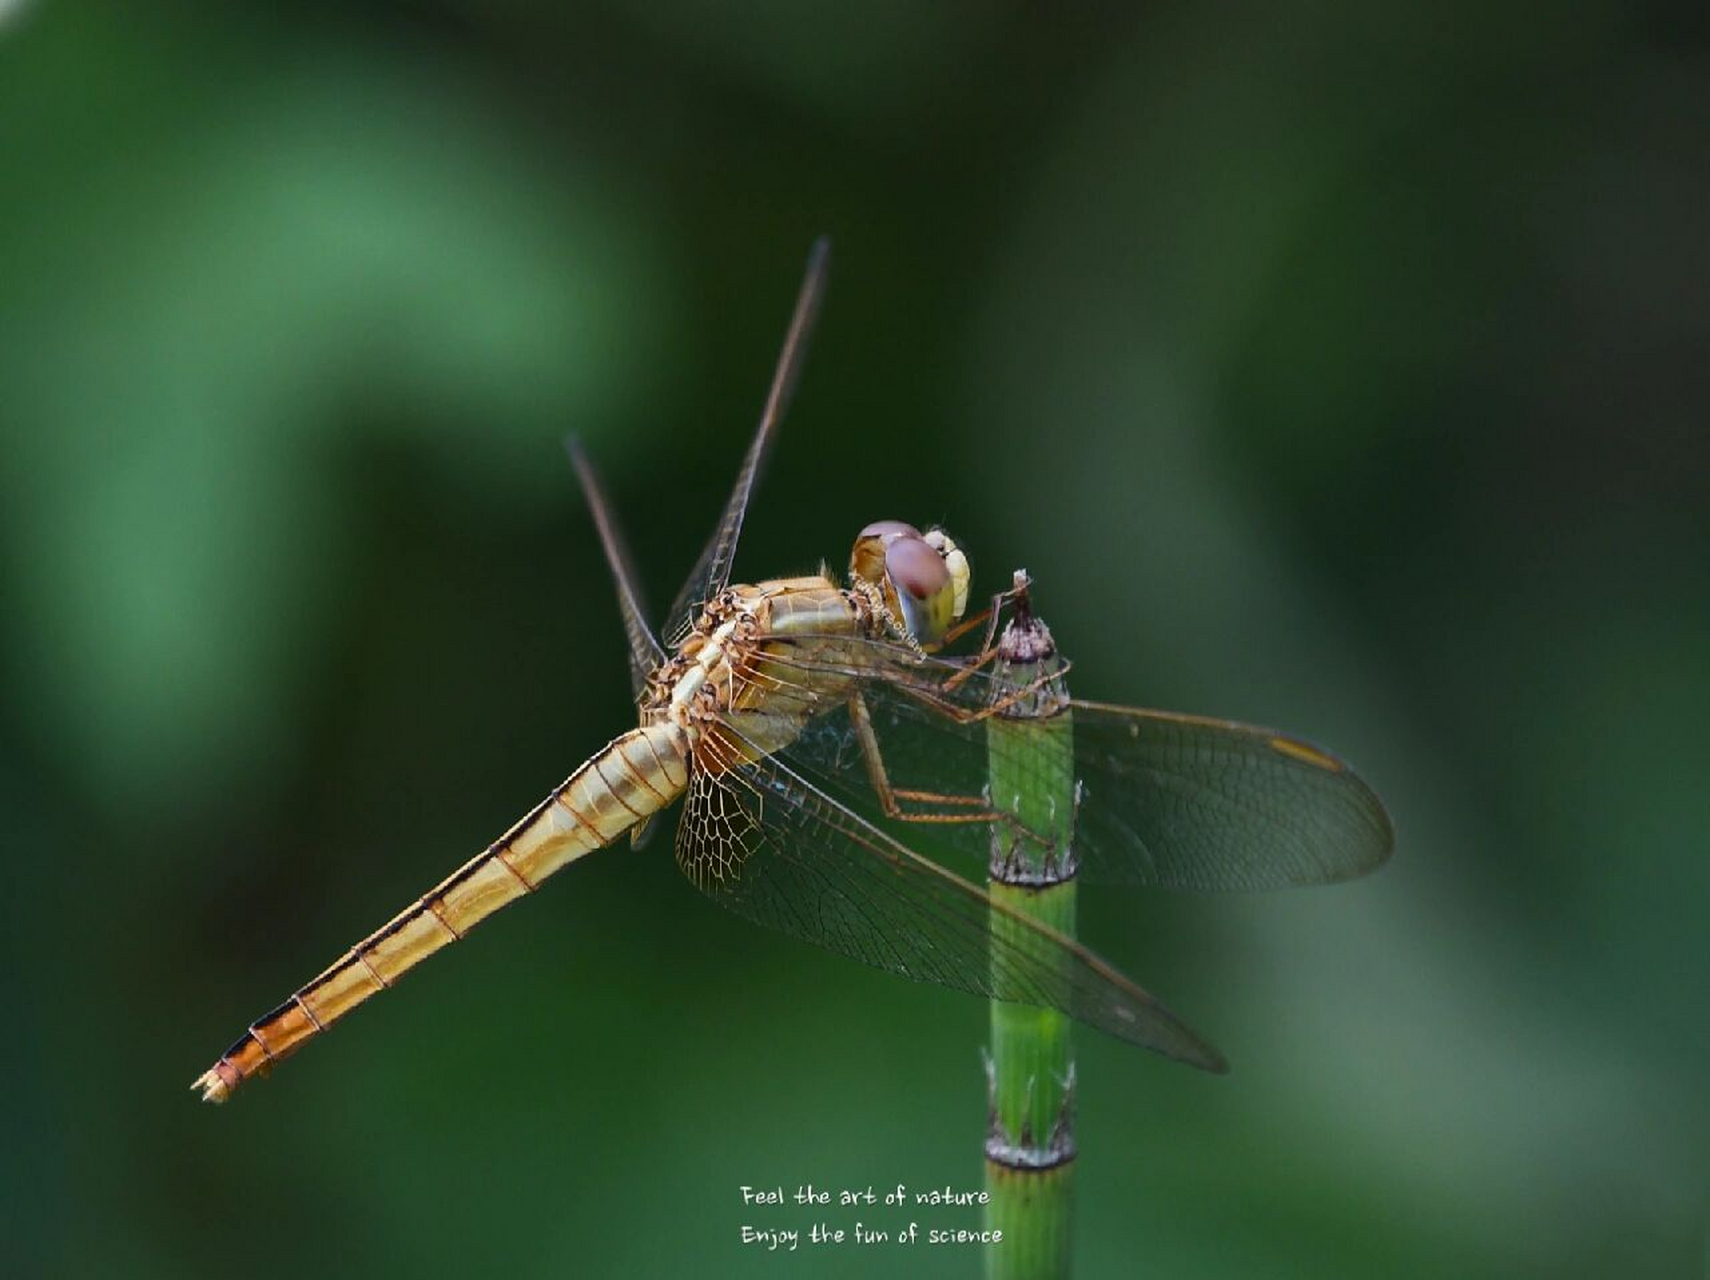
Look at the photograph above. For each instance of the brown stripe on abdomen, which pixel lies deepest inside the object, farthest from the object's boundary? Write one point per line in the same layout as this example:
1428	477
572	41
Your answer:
648	766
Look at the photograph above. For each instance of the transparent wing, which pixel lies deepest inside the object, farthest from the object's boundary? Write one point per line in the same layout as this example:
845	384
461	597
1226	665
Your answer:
764	841
712	571
644	651
1182	802
1196	803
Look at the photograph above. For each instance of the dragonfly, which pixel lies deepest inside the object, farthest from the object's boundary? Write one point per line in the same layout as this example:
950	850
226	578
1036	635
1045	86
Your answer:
813	727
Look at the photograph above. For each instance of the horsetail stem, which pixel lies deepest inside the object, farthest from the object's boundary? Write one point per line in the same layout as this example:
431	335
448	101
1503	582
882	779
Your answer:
1030	1143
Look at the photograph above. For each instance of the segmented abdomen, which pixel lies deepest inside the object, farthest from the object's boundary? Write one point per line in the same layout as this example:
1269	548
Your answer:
636	775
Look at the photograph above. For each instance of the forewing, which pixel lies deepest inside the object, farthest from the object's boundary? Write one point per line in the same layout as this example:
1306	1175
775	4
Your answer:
1182	802
712	571
644	651
767	843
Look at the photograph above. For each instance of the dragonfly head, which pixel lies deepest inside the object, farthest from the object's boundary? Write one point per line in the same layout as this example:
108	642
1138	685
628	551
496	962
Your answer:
923	576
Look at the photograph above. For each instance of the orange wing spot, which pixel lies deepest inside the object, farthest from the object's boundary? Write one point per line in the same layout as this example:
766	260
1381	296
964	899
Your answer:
1311	755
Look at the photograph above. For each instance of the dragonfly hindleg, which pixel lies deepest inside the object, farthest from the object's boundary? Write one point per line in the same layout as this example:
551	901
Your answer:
950	806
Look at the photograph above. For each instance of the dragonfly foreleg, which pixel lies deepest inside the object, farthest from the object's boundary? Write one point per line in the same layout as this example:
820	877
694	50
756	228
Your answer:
988	617
991	615
930	697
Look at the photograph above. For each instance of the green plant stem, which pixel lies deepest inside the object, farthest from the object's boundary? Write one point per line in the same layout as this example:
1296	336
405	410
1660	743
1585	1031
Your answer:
1030	1143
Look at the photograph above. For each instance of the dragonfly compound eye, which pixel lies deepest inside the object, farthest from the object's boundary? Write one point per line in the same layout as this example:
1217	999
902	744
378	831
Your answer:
924	589
867	560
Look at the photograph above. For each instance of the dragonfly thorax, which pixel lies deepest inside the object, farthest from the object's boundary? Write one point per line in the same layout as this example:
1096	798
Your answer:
759	663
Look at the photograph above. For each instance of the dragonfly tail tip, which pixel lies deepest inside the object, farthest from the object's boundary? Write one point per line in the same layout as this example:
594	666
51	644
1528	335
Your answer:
213	1084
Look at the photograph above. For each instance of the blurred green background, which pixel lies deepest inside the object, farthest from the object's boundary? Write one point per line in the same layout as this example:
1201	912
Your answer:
1342	369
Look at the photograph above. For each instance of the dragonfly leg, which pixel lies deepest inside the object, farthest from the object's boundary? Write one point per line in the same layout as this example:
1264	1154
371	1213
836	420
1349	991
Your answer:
951	807
970	667
987	617
990	616
974	715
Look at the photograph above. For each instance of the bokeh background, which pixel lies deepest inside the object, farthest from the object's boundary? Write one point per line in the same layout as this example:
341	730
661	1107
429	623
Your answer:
1341	368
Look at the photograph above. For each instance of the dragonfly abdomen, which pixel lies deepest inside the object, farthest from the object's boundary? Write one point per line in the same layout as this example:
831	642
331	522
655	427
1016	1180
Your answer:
635	776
